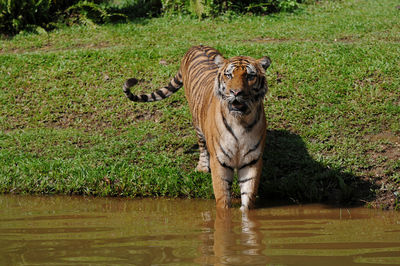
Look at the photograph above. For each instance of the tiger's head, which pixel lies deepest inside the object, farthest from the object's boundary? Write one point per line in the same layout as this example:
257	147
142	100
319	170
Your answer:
241	82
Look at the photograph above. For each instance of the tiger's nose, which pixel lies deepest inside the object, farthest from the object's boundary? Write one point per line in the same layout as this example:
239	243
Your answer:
236	92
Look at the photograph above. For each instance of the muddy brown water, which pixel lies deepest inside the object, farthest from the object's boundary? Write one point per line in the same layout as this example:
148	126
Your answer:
109	231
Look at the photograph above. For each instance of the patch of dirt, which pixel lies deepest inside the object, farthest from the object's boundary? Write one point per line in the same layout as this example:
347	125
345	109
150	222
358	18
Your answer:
153	116
382	159
372	79
279	77
87	121
389	136
343	39
163	62
48	47
270	40
389	149
387	200
92	121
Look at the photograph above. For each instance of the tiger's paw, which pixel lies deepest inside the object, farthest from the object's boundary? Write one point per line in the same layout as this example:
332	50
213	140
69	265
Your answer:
203	168
244	208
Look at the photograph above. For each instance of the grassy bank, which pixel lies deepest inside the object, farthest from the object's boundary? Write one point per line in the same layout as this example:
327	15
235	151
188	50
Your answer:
333	107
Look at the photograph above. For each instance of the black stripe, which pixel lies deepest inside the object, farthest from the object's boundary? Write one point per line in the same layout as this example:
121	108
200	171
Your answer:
247	62
244	193
260	84
252	124
199	133
171	87
177	81
212	67
195	84
212	54
144	97
219	133
255	147
196	56
219	77
153	96
131	96
250	163
161	93
228	181
209	51
228	127
205	62
225	165
262	81
205	48
130	82
197	71
223	151
219	91
245	180
260	95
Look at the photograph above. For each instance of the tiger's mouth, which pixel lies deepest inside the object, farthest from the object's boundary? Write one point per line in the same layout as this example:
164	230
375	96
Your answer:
236	106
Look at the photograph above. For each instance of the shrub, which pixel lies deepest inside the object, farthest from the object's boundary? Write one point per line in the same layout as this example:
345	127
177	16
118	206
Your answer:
137	8
87	12
16	15
207	8
19	15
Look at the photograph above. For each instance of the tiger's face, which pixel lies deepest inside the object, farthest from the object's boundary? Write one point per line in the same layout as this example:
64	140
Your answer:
241	82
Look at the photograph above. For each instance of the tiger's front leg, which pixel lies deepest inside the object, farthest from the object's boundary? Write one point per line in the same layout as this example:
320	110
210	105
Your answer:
248	179
222	176
204	159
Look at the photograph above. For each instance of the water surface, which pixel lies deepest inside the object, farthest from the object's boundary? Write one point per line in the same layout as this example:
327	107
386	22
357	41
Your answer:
109	231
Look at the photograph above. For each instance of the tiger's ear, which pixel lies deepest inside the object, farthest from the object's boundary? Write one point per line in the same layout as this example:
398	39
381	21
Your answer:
219	60
265	62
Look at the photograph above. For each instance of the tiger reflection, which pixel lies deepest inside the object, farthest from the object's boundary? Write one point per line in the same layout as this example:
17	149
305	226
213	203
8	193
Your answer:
229	240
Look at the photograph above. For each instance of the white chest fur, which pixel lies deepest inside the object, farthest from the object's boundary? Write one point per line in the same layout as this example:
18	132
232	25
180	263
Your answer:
240	140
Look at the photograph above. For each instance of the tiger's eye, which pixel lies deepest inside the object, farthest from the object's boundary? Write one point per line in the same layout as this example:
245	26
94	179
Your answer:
250	76
229	76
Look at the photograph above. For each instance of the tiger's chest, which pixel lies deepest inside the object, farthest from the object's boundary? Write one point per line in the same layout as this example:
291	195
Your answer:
238	145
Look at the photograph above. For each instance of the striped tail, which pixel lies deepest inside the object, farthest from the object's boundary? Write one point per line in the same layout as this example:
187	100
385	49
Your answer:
174	85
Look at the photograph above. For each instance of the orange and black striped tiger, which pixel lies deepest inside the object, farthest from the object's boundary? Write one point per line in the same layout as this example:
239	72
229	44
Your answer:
225	97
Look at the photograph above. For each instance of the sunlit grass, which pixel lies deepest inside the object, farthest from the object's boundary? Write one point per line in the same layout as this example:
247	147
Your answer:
66	126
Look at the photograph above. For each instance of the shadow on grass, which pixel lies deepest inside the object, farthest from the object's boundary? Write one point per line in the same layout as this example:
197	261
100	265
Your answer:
289	172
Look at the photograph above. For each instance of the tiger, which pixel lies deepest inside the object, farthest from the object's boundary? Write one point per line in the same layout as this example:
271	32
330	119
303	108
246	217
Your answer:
225	98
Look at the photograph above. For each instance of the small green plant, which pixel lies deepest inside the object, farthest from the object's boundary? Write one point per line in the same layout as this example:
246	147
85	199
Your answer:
288	5
90	13
269	6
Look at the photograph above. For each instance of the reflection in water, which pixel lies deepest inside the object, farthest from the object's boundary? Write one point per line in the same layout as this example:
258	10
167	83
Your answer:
109	231
228	242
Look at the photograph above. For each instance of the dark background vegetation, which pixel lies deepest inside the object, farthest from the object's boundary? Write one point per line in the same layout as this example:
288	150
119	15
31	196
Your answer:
34	15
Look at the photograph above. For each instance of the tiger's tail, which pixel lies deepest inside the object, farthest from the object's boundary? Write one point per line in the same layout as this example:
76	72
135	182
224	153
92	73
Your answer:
173	86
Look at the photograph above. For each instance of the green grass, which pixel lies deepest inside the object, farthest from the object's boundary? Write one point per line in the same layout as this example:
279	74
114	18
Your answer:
333	106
